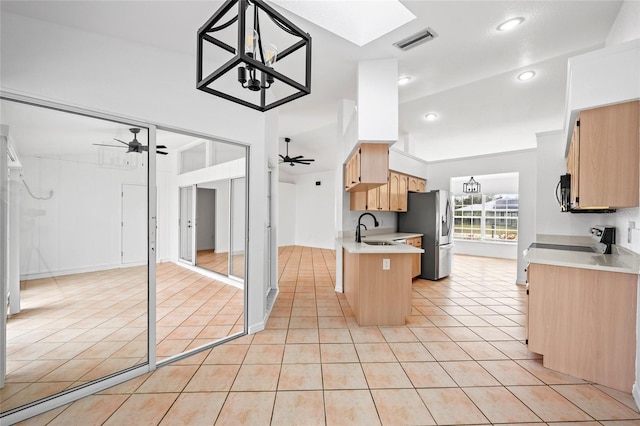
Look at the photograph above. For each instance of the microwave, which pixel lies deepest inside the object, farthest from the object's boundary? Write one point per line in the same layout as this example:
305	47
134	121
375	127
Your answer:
563	196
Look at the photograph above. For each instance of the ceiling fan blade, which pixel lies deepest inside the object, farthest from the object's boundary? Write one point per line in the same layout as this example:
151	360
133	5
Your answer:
282	156
104	144
161	147
306	159
298	157
126	143
161	153
302	162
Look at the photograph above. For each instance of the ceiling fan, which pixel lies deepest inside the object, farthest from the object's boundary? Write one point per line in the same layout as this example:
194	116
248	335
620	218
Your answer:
134	145
294	160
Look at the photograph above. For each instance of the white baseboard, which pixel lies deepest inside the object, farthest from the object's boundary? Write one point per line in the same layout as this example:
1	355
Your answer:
254	328
63	272
635	391
211	274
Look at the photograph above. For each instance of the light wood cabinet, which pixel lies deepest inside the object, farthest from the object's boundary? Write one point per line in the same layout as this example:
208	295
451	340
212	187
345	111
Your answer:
378	199
417	184
572	164
352	171
389	197
367	168
398	192
583	322
604	157
416	259
378	296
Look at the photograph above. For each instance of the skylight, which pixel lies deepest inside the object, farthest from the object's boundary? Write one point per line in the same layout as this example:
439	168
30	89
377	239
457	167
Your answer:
359	22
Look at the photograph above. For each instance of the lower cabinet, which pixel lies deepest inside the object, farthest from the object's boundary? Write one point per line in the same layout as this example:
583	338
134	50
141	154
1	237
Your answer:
583	322
416	259
378	296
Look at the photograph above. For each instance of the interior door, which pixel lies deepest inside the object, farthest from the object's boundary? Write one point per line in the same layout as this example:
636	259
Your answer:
134	224
187	225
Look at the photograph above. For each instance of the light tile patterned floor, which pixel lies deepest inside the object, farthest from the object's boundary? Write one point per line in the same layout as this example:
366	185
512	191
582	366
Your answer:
459	360
80	327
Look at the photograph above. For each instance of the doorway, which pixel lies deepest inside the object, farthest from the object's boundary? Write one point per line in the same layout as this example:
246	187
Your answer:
186	222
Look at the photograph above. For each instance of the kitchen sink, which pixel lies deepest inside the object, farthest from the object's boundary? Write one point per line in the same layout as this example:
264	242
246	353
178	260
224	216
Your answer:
379	243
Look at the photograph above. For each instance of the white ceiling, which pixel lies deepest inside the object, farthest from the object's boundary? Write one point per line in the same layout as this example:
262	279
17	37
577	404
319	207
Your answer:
466	75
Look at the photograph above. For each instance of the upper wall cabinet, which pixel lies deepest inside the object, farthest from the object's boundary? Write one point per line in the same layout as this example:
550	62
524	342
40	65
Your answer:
602	77
417	184
367	168
604	157
398	188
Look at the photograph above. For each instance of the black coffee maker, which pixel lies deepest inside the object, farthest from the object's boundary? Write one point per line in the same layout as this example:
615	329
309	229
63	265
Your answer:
605	236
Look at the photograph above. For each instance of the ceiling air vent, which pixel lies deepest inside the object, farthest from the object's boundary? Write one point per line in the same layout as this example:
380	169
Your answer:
416	39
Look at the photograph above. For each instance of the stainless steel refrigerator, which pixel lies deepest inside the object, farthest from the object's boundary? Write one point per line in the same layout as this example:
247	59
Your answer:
431	214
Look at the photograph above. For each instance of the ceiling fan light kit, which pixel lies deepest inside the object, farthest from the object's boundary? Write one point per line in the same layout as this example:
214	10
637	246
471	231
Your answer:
248	75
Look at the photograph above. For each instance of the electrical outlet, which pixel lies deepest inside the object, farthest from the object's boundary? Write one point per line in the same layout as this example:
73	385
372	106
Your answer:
630	227
386	264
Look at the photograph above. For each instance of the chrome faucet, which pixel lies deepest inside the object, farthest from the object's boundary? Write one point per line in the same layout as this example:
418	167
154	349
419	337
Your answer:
375	222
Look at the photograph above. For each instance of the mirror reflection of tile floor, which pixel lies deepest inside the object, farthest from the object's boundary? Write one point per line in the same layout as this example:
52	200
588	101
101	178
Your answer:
459	360
81	327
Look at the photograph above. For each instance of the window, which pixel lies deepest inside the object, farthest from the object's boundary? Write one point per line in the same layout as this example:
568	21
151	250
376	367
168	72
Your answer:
486	217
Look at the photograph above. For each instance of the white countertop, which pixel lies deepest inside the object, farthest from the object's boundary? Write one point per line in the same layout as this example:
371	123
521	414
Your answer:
620	260
351	246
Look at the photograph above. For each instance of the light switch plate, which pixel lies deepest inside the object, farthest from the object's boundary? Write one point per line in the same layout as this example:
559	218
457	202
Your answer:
386	264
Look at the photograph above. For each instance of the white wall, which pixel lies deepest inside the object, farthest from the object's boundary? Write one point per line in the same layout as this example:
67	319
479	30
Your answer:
287	214
523	163
89	70
625	27
315	210
79	228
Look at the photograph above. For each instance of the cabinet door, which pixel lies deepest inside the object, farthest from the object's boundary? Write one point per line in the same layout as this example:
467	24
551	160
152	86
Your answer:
358	201
347	175
416	259
415	184
609	156
573	165
394	188
383	198
403	192
373	202
398	192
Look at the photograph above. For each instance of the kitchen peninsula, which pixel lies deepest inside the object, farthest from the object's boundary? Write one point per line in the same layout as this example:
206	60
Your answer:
377	278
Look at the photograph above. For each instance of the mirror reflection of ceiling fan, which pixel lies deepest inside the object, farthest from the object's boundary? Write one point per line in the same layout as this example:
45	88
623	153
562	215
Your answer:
294	160
134	145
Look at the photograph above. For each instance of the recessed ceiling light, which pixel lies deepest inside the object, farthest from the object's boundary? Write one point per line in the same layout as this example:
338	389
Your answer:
431	116
510	24
527	75
404	80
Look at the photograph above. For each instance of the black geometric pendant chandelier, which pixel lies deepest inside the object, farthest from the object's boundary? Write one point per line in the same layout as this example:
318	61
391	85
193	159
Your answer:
471	187
239	44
